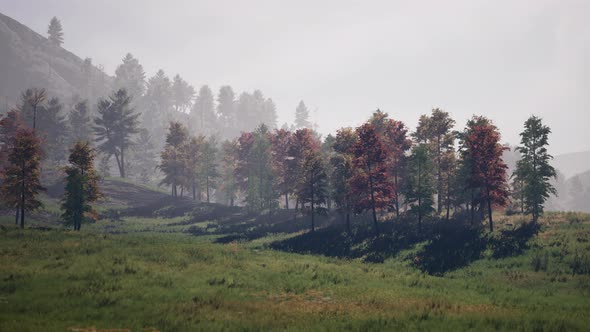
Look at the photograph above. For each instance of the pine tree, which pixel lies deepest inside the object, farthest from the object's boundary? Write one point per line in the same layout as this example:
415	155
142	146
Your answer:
21	183
202	116
302	116
32	101
226	111
55	32
182	94
81	186
80	123
419	188
173	161
533	169
143	157
229	164
52	129
312	187
436	131
157	107
115	126
130	76
193	160
209	171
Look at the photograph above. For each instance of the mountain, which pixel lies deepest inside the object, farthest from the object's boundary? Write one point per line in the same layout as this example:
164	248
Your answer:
28	59
571	164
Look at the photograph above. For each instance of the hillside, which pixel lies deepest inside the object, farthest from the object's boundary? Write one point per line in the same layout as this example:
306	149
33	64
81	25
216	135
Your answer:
571	164
27	59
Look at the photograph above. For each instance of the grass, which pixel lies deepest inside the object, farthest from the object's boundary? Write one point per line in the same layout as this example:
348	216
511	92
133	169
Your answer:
143	274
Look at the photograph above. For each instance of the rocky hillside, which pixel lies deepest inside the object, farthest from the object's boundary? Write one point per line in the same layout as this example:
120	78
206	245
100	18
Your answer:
28	59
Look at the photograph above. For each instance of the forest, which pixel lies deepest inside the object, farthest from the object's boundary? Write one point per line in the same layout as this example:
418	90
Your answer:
152	205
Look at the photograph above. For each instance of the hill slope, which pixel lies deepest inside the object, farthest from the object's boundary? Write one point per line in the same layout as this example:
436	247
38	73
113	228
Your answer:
28	59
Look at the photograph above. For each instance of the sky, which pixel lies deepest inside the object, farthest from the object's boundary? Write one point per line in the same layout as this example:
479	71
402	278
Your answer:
506	60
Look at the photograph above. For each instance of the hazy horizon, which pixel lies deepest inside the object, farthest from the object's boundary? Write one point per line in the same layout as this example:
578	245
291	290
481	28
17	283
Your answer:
502	60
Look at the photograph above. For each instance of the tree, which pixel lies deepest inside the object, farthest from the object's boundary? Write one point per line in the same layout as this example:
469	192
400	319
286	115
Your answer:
302	141
203	119
21	178
226	111
52	130
192	152
143	156
302	116
394	134
182	94
436	131
313	183
482	151
32	100
343	171
281	141
116	124
209	165
269	114
130	76
371	182
157	106
173	163
533	169
80	123
55	32
81	186
420	191
229	164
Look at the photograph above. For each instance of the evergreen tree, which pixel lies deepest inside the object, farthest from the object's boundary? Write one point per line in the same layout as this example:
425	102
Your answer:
80	123
419	188
157	107
312	187
229	164
55	32
32	101
281	143
202	116
436	131
173	161
533	169
226	111
182	94
302	116
209	166
193	164
52	129
130	76
116	124
143	157
81	186
21	183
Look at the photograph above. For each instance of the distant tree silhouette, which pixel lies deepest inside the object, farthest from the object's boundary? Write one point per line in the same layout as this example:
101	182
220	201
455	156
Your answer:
130	76
80	125
182	94
202	116
157	107
55	32
226	111
302	116
312	186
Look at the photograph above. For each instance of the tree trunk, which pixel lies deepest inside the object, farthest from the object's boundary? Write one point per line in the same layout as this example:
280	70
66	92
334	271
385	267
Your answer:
490	212
194	190
17	214
472	207
419	197
122	163
286	201
312	210
373	200
439	188
207	180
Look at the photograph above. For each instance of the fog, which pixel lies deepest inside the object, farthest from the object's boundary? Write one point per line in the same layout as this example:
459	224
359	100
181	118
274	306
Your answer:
504	59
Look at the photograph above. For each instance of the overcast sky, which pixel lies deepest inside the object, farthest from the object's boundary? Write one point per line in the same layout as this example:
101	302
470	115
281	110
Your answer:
503	59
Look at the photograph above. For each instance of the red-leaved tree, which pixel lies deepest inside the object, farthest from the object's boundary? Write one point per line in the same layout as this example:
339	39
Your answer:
481	148
371	182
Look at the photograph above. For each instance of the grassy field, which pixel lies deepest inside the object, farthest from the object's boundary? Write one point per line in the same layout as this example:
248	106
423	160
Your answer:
146	274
